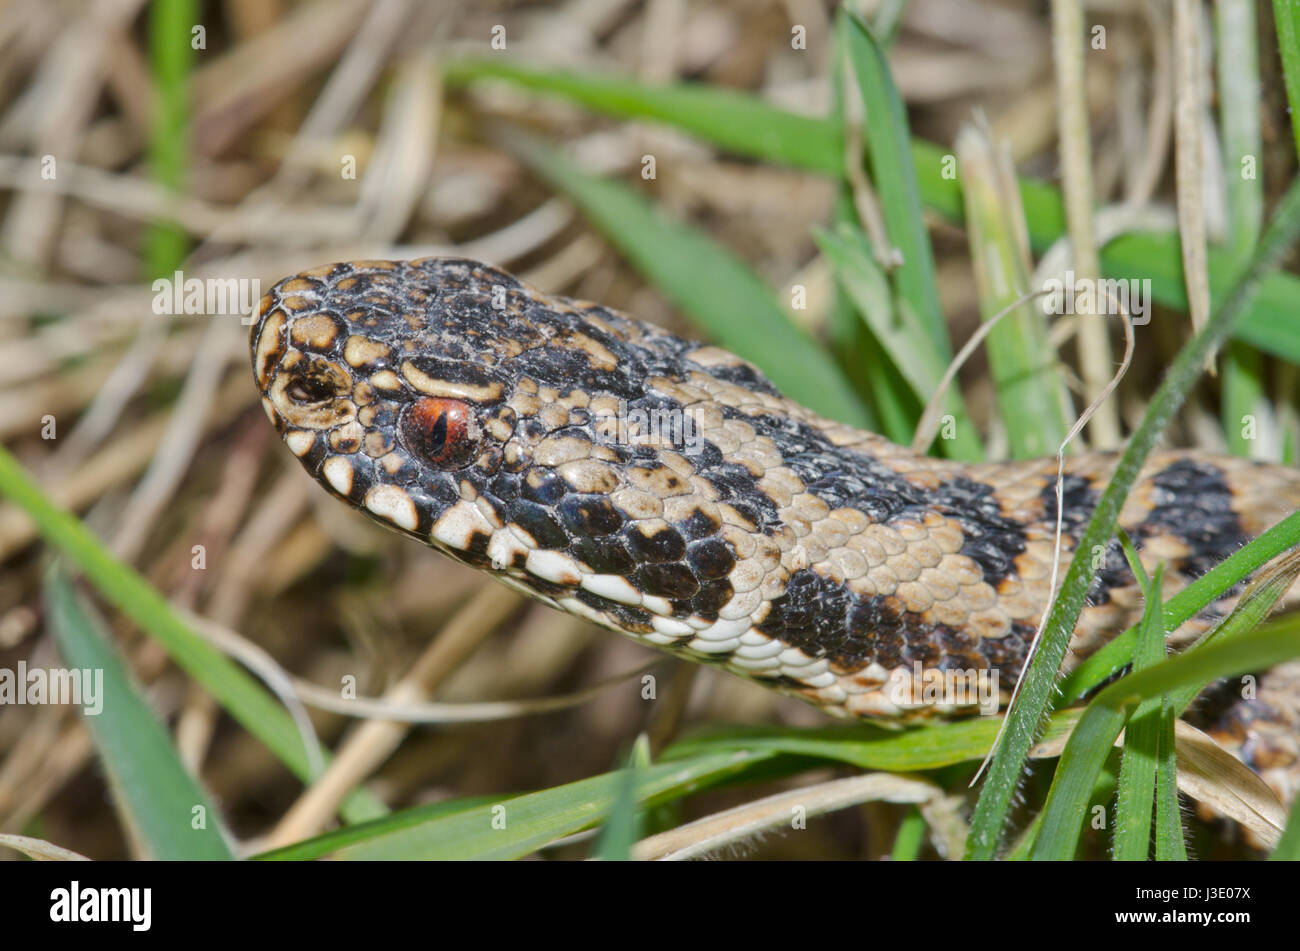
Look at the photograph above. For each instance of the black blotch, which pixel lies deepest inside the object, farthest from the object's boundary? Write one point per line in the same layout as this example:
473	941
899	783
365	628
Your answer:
712	598
589	515
504	485
737	486
746	511
544	486
561	367
1194	503
847	478
743	375
1006	654
707	456
442	488
810	614
478	543
1079	500
538	522
606	555
666	544
990	538
673	581
877	630
363	477
699	524
314	457
923	651
711	558
826	619
385	420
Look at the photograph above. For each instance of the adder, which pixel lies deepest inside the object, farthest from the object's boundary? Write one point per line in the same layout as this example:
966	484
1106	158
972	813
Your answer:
665	489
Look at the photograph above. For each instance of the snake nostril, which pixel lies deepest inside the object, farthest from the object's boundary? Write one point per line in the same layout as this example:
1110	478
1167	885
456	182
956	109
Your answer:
311	381
310	390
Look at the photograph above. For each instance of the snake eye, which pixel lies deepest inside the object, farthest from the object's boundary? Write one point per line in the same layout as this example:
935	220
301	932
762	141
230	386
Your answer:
444	432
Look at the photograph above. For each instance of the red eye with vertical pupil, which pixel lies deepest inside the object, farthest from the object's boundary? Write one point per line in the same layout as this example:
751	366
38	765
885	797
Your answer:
443	432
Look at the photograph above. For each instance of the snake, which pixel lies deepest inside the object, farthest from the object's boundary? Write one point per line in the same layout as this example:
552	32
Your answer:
664	488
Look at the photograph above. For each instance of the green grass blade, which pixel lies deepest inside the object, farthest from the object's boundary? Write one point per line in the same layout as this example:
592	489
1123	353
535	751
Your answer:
168	812
1237	72
1242	395
899	333
1035	696
1186	604
769	133
865	746
171	57
1103	790
1237	69
901	343
1255	604
514	827
863	358
894	176
1171	845
914	283
1137	774
1286	17
1024	844
623	827
893	406
126	590
710	284
1154	257
1032	400
731	120
909	838
336	839
1094	735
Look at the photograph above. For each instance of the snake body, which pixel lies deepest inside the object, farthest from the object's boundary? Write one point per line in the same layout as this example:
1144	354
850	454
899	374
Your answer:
545	440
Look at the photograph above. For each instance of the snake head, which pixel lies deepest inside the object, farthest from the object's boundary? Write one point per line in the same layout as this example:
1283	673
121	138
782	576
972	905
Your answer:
355	374
529	435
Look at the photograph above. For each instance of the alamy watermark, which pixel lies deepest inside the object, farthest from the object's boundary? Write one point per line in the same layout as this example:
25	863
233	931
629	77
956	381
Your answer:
218	296
83	686
932	686
78	903
1104	297
664	427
